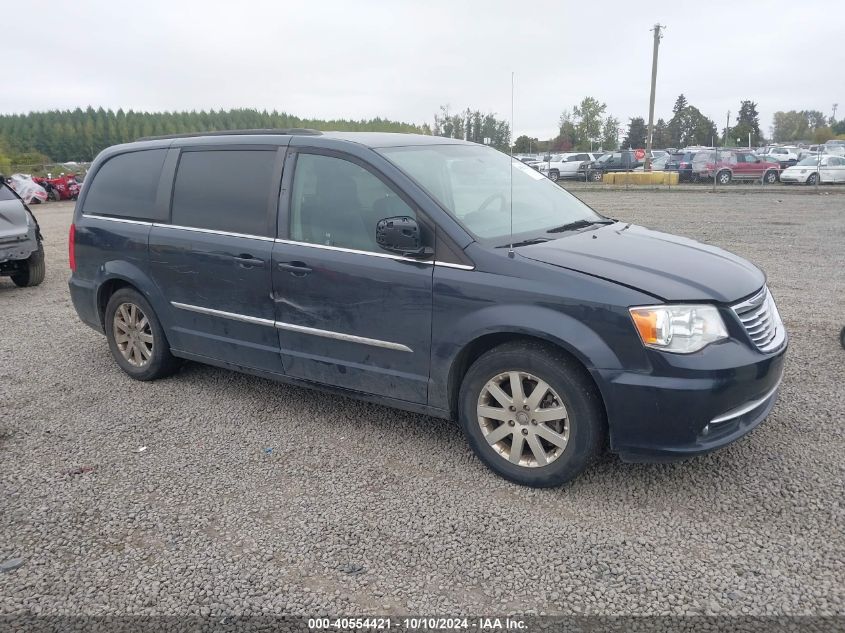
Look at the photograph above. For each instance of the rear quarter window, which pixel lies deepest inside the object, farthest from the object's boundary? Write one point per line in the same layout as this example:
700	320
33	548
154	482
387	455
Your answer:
126	186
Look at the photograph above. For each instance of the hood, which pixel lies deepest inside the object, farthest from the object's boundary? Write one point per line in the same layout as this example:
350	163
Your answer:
666	266
13	219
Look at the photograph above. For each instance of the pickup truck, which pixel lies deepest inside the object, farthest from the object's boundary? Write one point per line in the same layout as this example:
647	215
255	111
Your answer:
566	165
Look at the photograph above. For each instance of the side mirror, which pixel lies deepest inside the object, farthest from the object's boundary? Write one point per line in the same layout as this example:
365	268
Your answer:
401	235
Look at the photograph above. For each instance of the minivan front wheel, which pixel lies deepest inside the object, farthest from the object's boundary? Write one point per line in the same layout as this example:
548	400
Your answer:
136	338
531	414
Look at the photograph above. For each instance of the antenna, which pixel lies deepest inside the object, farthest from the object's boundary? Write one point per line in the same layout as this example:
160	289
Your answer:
510	142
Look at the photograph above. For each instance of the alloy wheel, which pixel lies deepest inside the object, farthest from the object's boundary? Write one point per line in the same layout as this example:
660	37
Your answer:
133	334
523	419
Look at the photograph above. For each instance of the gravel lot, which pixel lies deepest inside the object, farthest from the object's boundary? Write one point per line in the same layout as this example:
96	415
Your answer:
359	509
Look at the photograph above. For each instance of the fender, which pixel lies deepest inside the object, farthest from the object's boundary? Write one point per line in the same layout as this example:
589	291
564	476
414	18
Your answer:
135	276
545	323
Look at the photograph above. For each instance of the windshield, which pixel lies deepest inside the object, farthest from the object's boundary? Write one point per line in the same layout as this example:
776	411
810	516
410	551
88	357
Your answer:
473	183
607	157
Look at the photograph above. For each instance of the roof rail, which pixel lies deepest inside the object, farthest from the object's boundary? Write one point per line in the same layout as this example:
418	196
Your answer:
285	131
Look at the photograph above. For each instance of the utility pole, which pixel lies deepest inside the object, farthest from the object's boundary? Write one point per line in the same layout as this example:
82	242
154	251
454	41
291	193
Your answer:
657	36
727	126
833	116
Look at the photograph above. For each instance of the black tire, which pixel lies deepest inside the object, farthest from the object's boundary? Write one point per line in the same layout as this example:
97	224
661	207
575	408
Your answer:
55	195
842	337
161	362
813	178
770	177
723	177
34	271
585	412
554	175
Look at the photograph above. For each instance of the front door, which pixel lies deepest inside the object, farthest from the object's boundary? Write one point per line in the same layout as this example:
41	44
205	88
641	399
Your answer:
212	260
348	313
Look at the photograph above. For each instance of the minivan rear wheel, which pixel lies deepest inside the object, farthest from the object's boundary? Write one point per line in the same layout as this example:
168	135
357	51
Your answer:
531	414
136	338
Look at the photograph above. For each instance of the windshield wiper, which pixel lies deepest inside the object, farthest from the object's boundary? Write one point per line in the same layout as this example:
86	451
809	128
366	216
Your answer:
528	242
578	224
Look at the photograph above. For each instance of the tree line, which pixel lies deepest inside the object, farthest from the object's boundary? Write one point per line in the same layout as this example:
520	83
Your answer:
36	139
79	135
587	126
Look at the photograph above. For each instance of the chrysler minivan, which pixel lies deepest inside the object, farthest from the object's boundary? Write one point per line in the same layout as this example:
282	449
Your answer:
428	274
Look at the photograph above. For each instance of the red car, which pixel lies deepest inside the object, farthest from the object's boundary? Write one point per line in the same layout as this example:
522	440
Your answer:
64	187
734	165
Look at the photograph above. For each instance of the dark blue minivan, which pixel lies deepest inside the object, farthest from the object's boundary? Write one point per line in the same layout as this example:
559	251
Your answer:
428	274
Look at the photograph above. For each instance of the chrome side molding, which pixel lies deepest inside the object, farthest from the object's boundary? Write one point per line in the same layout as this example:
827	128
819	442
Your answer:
339	336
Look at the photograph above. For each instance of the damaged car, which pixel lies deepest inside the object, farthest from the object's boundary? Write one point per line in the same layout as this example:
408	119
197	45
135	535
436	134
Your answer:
30	191
21	250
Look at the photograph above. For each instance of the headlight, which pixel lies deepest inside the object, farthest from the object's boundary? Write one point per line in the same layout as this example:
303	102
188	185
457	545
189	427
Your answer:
678	328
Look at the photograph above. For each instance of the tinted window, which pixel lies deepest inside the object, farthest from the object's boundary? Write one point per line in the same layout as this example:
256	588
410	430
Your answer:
225	190
338	203
6	193
126	185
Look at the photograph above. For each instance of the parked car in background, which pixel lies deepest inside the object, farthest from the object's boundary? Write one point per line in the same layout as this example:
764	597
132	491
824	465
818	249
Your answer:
681	162
788	155
566	165
657	164
63	187
835	147
734	165
816	169
29	190
549	335
21	252
626	160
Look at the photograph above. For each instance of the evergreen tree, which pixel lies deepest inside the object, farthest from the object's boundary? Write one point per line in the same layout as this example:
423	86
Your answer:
680	104
637	132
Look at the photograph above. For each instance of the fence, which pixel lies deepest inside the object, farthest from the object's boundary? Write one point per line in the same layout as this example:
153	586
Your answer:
713	169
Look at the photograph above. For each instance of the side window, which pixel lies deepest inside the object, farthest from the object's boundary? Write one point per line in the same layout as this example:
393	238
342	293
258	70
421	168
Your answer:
126	185
338	203
225	190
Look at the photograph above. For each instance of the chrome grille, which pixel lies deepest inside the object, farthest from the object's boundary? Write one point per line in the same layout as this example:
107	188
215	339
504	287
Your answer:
759	316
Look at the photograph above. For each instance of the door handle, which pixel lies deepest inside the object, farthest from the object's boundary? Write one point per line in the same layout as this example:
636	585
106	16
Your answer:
248	261
299	269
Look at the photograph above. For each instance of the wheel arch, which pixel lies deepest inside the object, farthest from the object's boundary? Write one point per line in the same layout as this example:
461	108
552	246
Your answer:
475	348
122	274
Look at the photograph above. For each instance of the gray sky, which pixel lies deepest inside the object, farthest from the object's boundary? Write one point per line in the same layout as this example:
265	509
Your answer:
401	59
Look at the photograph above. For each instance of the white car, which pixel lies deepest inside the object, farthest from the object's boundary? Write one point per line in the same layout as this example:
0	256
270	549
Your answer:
782	154
566	165
29	190
810	171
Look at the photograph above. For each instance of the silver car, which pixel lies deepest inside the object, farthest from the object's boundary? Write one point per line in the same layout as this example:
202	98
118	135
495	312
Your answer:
21	251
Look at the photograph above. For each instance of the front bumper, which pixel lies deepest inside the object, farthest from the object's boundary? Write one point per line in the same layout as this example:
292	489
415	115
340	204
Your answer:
688	406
